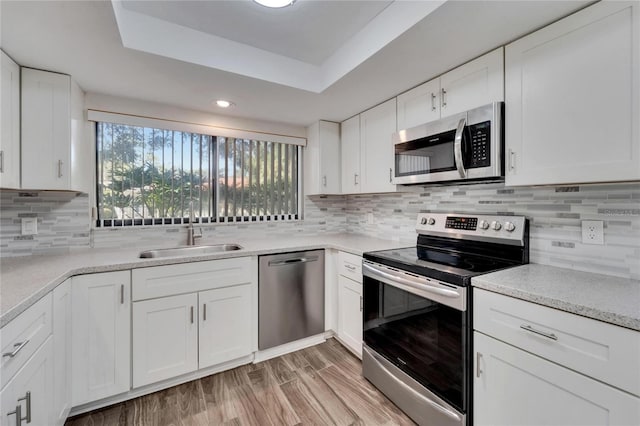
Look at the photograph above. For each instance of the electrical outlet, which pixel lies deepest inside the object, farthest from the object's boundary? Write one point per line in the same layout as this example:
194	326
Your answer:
370	219
29	225
593	232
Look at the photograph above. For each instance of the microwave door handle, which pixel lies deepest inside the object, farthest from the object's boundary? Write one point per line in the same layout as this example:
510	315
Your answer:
457	147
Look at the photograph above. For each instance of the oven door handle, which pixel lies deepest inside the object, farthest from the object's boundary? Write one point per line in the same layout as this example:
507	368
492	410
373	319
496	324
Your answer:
411	283
457	147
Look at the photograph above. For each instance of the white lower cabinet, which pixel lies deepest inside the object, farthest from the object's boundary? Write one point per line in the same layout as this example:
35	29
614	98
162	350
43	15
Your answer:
165	338
350	313
101	336
514	387
62	352
29	394
225	324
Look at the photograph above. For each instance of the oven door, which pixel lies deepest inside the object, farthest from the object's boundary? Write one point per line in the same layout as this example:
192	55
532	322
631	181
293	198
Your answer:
421	327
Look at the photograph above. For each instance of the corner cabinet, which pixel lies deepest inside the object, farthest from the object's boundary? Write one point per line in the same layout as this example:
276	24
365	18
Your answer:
10	124
101	335
572	96
367	150
62	352
46	130
536	365
476	83
322	159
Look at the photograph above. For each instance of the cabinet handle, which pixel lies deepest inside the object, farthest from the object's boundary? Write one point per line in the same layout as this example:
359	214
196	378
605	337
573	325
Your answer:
478	370
433	101
60	163
204	312
17	348
355	179
324	180
122	294
27	399
512	159
530	329
1	161
360	303
390	173
443	100
192	315
18	413
350	267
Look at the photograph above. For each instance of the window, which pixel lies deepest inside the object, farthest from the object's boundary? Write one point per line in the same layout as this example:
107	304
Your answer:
148	176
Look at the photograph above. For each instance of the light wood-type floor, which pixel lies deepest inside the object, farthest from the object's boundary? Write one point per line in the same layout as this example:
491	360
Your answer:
321	385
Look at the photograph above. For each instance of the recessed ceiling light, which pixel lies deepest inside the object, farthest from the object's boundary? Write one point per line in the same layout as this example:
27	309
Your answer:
223	104
275	3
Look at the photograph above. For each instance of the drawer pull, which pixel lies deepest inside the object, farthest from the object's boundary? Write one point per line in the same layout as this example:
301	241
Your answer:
350	267
18	347
18	413
528	328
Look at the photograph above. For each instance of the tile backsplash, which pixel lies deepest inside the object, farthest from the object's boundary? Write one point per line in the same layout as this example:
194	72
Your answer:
555	214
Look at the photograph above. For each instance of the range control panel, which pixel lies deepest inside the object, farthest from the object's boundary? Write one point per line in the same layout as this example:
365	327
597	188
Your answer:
503	229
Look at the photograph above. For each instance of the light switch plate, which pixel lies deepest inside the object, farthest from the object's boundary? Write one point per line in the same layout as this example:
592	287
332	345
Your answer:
593	232
29	225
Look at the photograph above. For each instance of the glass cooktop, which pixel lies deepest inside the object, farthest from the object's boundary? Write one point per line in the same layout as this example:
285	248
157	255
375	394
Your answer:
448	266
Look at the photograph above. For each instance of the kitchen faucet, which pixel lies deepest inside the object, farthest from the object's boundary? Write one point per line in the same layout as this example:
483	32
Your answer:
191	235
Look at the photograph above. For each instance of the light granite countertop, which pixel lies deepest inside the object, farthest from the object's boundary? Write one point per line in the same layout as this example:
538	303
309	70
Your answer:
602	297
26	279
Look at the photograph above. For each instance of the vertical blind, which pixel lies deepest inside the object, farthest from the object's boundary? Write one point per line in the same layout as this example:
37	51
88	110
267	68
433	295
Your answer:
148	176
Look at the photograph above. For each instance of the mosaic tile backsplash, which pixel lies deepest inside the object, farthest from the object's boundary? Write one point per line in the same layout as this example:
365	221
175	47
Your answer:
555	215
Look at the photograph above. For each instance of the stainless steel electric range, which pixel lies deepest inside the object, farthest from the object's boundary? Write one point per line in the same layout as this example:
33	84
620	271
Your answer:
417	311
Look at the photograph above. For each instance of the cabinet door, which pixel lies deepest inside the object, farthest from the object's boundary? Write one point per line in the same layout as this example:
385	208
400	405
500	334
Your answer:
350	313
377	127
62	352
419	105
100	335
516	387
46	130
322	159
350	155
572	93
165	338
32	390
226	324
10	124
473	84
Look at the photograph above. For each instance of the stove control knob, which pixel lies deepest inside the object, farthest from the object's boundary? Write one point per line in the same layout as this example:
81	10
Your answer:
431	221
495	225
509	227
423	221
484	224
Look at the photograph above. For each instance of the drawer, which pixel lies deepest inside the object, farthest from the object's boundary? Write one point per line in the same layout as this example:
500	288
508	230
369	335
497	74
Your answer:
23	336
606	352
160	281
350	266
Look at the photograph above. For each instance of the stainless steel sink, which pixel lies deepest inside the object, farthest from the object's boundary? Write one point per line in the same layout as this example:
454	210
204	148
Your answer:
189	250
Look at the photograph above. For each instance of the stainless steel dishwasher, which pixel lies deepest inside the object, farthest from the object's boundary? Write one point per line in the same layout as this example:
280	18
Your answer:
291	297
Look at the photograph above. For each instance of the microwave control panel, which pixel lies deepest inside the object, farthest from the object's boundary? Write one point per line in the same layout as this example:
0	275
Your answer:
480	145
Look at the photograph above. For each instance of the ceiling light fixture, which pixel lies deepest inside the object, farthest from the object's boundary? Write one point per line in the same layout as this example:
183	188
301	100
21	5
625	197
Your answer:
275	3
223	104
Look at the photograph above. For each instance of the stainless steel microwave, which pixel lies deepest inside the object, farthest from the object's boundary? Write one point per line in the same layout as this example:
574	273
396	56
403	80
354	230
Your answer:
465	146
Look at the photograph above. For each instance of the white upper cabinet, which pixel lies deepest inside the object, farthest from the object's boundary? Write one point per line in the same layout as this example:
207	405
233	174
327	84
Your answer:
377	126
10	125
471	85
572	99
46	130
419	105
350	155
322	159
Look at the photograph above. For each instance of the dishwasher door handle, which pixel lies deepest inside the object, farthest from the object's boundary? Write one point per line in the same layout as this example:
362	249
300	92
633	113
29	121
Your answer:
293	261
